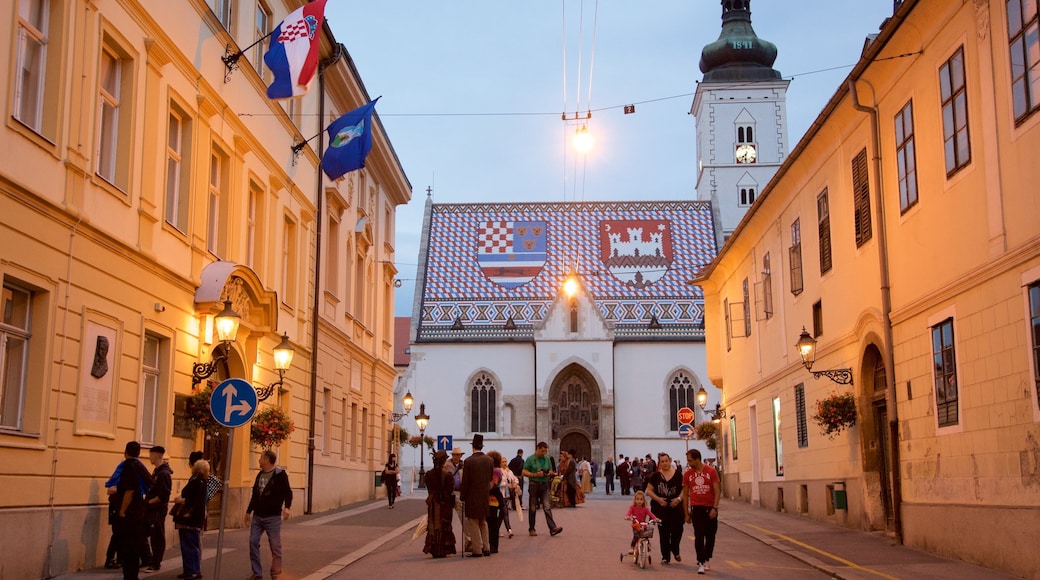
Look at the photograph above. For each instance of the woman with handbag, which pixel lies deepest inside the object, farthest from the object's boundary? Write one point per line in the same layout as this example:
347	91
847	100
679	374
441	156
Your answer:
390	471
189	517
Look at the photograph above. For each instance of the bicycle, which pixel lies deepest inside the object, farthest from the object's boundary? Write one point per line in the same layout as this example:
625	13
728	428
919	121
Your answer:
641	553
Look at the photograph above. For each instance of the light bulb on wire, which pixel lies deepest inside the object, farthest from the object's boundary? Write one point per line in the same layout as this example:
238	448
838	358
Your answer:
583	140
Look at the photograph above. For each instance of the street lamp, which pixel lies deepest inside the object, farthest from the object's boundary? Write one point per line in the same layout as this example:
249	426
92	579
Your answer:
227	329
407	402
283	355
806	346
421	421
719	414
702	397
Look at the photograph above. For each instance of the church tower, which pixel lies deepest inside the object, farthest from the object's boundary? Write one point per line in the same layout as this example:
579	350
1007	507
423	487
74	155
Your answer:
741	113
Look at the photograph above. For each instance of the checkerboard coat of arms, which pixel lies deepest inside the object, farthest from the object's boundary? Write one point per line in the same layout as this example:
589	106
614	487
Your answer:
511	253
637	252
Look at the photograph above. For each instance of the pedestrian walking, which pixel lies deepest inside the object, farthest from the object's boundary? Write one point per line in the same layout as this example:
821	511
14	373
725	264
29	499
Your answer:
595	471
157	502
608	475
189	518
269	504
516	465
477	472
585	469
538	469
665	491
496	499
701	496
509	488
390	471
440	504
454	467
624	472
637	475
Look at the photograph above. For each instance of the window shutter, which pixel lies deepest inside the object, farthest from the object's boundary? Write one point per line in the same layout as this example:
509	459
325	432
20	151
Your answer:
861	197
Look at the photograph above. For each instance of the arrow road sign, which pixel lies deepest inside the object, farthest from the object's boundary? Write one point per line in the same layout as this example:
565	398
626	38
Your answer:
444	443
685	415
686	431
233	402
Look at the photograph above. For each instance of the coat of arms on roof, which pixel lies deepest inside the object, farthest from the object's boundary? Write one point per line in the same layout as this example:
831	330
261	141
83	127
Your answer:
637	252
510	253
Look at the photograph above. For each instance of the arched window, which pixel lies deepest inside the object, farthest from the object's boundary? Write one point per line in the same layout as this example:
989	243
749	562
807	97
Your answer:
747	195
574	315
482	405
681	393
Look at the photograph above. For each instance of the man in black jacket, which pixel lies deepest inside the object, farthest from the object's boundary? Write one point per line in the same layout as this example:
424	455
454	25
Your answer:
157	506
270	504
517	467
129	517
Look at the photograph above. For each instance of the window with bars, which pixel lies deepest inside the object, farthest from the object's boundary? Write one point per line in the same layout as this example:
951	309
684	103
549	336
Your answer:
861	198
1034	322
1024	50
823	216
794	254
682	392
482	405
799	407
944	367
953	90
906	159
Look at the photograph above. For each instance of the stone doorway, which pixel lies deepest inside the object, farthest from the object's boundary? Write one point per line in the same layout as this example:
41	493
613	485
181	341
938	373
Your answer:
575	405
579	442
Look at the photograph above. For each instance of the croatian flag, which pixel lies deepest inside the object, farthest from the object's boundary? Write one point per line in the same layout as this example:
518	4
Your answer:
292	55
350	140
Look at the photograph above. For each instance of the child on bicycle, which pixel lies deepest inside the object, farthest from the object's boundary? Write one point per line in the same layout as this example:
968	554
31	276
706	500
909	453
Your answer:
639	514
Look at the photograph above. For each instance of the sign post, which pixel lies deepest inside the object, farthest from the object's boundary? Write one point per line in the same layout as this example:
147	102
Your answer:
233	403
686	431
444	443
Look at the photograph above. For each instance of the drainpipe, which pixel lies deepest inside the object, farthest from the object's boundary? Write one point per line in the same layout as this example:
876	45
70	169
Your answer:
886	309
319	199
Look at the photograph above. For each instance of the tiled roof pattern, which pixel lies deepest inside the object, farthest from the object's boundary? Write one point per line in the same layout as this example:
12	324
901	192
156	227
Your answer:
456	288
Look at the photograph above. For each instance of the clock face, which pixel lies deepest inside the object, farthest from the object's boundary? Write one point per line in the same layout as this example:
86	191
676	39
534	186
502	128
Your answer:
746	153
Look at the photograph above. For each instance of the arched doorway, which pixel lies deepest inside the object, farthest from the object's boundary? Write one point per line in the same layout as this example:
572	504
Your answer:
574	403
874	431
215	444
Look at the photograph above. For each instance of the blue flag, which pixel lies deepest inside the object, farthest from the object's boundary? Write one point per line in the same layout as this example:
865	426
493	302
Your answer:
350	140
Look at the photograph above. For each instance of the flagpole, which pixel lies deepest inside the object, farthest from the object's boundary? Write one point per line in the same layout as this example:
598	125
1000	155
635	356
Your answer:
231	60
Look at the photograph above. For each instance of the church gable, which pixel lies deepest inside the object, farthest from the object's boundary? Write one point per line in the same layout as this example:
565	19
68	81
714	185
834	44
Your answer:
493	271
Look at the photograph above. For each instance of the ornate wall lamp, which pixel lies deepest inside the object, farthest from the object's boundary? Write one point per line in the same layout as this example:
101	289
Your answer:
719	414
806	346
421	421
702	397
226	323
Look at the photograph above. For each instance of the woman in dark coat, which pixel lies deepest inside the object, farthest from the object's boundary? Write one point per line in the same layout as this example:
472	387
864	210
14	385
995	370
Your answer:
190	519
440	504
664	489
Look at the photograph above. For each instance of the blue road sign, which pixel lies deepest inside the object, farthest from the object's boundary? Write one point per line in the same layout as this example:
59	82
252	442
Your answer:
233	402
444	443
686	431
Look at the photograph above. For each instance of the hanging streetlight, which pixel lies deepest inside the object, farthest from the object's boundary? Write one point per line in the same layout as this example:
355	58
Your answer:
583	140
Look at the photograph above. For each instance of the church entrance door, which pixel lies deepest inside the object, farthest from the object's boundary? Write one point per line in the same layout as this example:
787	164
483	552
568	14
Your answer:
579	442
574	402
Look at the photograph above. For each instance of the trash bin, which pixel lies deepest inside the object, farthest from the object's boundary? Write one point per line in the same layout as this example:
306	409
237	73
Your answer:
841	501
379	478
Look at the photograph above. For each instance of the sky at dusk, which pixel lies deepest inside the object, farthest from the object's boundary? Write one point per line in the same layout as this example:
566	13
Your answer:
473	92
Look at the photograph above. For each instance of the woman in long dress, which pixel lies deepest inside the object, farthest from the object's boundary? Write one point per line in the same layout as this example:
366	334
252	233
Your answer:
664	488
586	475
440	505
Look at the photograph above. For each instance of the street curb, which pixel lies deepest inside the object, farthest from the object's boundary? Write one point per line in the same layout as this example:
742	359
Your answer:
337	566
782	546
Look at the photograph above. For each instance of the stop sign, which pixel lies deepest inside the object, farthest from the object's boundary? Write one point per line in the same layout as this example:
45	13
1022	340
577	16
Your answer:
685	415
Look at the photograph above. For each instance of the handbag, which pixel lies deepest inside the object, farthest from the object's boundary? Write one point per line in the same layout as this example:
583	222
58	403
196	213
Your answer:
176	510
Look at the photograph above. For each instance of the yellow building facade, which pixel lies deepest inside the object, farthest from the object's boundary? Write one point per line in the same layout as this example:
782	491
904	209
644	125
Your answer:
903	235
144	183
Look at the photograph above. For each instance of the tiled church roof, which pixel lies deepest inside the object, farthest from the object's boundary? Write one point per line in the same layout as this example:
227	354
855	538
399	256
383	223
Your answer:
487	263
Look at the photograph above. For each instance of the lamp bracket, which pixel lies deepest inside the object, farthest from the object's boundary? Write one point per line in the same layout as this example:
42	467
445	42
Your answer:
395	417
264	393
202	371
840	376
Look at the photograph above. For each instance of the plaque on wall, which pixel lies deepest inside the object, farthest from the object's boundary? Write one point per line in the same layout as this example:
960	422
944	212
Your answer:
97	395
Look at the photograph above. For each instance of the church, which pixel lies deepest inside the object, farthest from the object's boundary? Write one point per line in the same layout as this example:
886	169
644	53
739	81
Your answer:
576	323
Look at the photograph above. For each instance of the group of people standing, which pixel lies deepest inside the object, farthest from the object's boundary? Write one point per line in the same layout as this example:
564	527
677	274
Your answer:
139	503
633	474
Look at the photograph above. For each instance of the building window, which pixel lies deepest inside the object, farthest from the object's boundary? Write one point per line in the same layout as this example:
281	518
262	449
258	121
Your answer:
574	314
219	178
955	112
15	333
178	166
729	333
332	255
31	62
747	308
344	451
353	430
767	287
794	254
799	406
823	213
745	134
747	196
289	263
861	198
906	159
733	437
359	287
482	405
779	445
1034	322
254	226
945	370
1024	41
114	89
680	394
326	414
223	9
263	26
817	318
151	383
364	434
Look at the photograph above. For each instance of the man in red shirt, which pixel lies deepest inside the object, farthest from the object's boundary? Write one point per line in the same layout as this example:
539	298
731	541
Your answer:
701	495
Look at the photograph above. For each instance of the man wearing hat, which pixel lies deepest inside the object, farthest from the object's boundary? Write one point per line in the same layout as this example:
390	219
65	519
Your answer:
477	472
454	467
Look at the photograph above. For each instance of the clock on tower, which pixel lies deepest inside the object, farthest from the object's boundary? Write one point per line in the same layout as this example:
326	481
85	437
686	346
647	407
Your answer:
746	153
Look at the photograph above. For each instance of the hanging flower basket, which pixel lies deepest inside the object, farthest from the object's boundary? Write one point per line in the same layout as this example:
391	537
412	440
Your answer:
835	413
416	440
270	427
198	412
707	432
